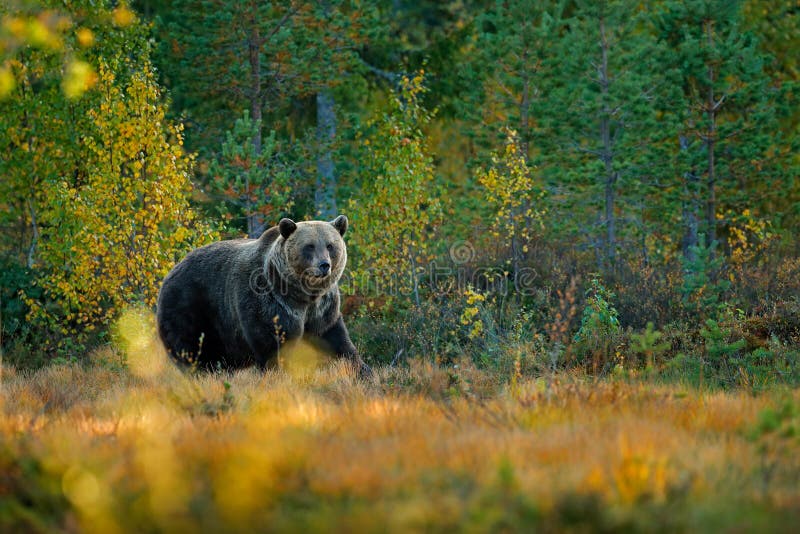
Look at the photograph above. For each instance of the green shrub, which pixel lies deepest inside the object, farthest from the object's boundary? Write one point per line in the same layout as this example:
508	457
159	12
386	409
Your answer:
647	344
703	287
599	334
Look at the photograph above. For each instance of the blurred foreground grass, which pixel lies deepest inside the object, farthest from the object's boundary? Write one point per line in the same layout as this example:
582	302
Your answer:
423	448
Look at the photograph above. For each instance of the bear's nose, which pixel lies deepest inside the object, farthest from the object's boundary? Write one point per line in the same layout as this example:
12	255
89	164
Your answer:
325	267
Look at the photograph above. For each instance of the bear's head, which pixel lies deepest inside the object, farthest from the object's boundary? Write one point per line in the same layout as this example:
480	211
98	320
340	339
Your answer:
313	253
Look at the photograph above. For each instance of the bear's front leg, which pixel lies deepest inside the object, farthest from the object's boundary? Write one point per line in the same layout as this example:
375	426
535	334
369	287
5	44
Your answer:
264	346
338	339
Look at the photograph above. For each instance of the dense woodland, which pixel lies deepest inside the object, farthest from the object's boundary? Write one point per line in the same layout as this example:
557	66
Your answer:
608	186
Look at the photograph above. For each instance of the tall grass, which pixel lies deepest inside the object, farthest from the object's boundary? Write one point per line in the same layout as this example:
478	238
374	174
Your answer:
423	447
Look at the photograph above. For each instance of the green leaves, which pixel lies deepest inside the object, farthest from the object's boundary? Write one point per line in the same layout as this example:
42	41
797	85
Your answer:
647	344
719	345
397	211
703	285
251	177
600	329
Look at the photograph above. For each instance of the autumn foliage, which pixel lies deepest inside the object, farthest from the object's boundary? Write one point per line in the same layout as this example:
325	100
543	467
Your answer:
515	197
101	184
396	214
109	239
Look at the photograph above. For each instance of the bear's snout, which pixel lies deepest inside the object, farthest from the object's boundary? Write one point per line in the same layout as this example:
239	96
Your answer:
324	268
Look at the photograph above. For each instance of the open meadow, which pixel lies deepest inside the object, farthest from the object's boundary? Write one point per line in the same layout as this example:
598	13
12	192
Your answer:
311	448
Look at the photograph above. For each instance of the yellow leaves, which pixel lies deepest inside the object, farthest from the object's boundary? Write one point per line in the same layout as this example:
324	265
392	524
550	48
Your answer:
473	296
470	316
7	81
78	78
43	30
181	233
119	228
511	188
85	37
15	26
80	487
40	31
401	199
123	16
747	235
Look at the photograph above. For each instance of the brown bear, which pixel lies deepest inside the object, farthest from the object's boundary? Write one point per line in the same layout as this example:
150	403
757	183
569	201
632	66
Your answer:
232	304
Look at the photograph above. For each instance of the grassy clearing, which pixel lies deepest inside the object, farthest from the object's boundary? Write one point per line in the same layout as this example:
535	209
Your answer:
422	448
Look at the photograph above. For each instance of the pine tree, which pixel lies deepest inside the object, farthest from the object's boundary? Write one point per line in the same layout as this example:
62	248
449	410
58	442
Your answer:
275	60
254	186
221	57
513	61
604	119
728	111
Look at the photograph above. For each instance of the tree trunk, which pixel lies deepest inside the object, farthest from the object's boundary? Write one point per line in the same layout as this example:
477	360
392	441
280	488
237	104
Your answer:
516	254
414	274
610	178
711	180
254	219
689	206
34	235
524	147
690	240
31	209
524	113
254	50
611	239
325	194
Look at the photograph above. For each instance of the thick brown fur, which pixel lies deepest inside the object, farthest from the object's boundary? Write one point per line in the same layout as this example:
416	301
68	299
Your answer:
232	304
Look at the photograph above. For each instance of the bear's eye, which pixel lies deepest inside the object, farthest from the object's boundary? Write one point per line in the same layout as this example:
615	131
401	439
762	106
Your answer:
309	247
329	247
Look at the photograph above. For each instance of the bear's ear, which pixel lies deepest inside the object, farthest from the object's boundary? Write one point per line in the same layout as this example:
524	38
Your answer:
340	223
287	227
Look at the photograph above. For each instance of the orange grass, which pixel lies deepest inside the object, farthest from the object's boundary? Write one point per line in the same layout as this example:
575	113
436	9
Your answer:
315	449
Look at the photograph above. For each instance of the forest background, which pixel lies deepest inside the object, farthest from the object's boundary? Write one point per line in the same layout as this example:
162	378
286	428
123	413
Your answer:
526	182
